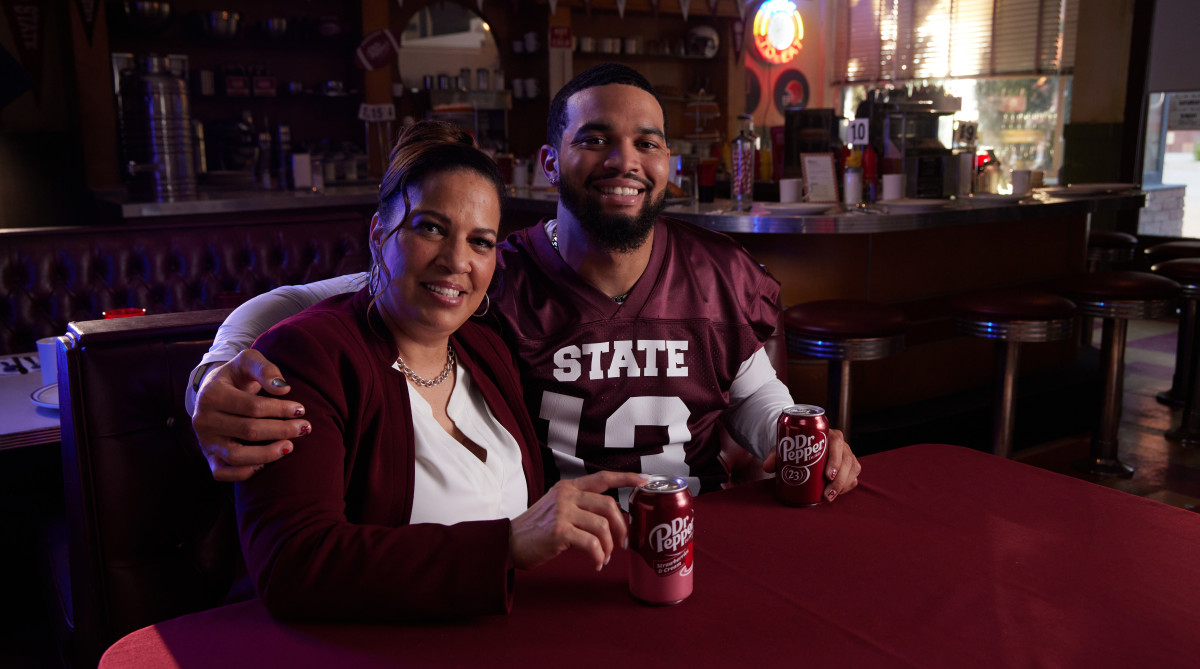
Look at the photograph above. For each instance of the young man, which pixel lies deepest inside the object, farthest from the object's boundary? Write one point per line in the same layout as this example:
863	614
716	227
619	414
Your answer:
634	333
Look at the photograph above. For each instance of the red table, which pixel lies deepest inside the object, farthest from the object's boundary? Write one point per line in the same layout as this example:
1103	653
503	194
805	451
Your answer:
943	557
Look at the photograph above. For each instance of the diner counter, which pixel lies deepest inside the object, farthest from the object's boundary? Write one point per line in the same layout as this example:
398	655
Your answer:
943	557
527	205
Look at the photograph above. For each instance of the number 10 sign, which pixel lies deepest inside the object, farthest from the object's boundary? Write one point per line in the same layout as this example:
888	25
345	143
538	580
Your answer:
858	131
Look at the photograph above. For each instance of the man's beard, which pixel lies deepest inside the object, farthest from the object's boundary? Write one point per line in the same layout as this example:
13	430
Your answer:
613	233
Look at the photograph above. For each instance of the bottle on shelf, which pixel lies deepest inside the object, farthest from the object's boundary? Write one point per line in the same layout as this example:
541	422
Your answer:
742	164
766	161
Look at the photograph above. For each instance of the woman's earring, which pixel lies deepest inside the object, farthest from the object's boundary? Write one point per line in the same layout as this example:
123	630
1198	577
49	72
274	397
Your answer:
487	304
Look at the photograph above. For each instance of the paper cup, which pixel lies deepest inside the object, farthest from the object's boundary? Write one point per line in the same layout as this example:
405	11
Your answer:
48	358
893	187
1022	182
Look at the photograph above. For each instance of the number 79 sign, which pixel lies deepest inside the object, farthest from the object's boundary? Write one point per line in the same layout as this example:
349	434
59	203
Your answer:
966	133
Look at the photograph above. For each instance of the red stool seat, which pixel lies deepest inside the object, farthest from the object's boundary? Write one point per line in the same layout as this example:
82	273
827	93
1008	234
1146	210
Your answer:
1110	294
1111	246
844	319
1185	271
1014	315
1175	249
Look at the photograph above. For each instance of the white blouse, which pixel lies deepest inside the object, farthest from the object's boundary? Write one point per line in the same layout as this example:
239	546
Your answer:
450	484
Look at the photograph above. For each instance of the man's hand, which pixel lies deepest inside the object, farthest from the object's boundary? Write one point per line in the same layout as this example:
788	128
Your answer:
573	514
238	430
841	467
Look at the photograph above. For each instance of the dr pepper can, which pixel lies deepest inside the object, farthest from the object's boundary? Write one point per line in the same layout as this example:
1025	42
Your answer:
661	541
802	445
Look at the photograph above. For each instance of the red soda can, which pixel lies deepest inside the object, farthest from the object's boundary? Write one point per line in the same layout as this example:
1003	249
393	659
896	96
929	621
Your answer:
661	541
802	446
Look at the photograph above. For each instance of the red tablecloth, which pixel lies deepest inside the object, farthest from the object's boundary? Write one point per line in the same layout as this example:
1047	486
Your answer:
943	557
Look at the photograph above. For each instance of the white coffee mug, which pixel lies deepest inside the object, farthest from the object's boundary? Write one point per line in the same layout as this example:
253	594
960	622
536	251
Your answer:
587	44
48	359
518	86
893	187
532	88
1022	182
791	190
531	42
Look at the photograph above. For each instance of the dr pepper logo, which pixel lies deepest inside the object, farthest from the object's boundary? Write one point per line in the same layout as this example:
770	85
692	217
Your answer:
802	450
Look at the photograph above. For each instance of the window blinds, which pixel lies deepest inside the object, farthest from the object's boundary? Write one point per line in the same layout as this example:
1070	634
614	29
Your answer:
899	40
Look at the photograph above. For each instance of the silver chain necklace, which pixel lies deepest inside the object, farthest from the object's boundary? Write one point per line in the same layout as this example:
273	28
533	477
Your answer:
428	383
619	299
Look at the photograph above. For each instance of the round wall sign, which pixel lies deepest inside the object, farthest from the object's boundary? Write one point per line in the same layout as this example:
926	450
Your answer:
778	31
791	90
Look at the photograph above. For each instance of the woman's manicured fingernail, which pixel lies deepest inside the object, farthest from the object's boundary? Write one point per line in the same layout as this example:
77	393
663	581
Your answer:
286	450
278	382
831	494
299	411
305	429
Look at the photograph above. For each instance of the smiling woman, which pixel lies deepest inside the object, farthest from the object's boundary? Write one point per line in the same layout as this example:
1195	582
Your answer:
420	487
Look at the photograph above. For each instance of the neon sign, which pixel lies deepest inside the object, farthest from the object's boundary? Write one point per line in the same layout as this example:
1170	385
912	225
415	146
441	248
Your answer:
778	31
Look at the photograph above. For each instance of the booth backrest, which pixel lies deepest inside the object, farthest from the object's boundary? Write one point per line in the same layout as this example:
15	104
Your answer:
151	534
52	276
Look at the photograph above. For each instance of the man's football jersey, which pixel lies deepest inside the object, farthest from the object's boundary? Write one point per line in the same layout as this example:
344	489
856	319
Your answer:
636	386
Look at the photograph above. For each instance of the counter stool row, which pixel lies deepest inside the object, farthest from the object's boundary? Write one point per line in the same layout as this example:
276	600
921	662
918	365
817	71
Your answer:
847	330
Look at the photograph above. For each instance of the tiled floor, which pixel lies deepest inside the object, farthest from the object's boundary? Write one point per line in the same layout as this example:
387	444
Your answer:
1165	471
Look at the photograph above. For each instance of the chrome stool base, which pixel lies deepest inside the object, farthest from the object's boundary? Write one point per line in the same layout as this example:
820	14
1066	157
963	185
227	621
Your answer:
1106	467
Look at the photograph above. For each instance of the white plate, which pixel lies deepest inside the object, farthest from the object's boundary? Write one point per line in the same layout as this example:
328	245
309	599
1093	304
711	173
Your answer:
996	197
915	205
46	396
797	208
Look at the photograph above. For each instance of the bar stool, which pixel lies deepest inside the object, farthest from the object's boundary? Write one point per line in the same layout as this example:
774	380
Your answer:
1110	247
1012	317
1170	250
1106	248
1116	297
843	330
1186	272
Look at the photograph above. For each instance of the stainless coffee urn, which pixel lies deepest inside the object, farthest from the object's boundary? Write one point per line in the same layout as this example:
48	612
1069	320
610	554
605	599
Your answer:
156	133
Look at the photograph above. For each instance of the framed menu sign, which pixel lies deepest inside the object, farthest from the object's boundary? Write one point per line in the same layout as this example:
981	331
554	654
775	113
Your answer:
820	179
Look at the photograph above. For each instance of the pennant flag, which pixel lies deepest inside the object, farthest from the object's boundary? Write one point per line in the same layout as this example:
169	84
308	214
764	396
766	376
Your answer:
621	8
587	7
479	5
87	12
741	6
26	24
553	6
738	28
654	7
712	5
684	6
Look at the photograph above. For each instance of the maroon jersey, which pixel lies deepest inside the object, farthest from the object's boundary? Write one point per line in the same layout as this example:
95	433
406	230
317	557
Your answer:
636	386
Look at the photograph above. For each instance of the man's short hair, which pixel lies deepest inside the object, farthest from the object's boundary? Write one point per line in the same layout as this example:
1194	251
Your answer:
600	75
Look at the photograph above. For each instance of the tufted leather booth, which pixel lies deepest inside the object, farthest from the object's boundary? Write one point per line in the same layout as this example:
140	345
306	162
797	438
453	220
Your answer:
150	534
51	276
